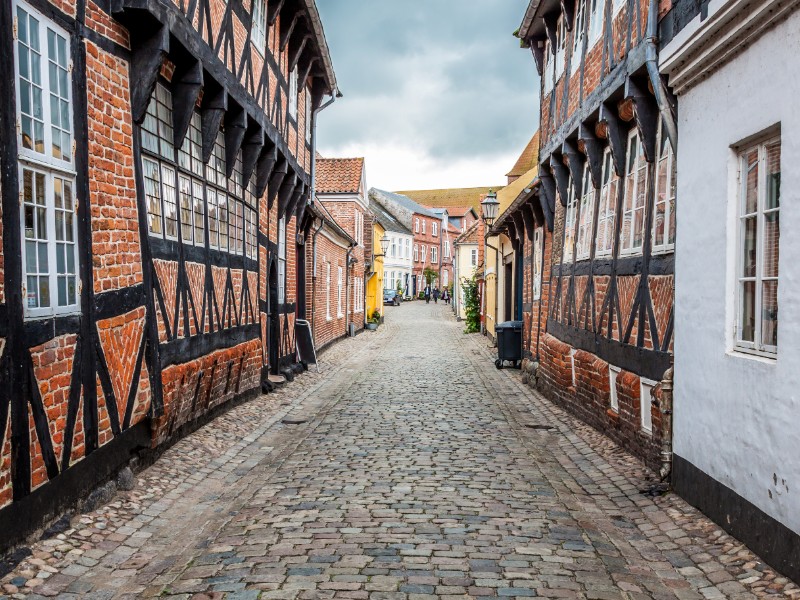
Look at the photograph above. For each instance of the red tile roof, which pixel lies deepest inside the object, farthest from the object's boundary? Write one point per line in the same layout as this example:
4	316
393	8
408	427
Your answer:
528	159
339	175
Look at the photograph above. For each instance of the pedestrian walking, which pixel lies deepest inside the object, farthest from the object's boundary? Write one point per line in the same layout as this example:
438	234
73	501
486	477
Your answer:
446	296
427	295
436	296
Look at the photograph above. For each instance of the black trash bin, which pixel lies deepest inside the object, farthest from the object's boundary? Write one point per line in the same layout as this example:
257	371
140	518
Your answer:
509	343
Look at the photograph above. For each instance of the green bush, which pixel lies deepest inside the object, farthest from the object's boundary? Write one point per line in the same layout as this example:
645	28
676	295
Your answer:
472	305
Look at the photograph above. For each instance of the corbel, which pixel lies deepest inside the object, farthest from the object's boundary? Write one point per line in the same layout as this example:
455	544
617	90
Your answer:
646	115
251	150
575	166
534	208
519	225
291	207
212	111
537	50
276	181
568	10
273	10
615	134
527	219
667	102
302	205
547	199
186	85
149	52
551	29
593	149
294	55
264	168
235	130
287	188
307	71
561	176
286	34
511	231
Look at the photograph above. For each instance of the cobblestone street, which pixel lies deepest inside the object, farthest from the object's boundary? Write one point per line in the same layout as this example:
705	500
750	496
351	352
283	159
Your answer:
421	471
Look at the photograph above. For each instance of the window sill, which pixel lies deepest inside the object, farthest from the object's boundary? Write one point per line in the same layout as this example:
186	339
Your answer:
767	358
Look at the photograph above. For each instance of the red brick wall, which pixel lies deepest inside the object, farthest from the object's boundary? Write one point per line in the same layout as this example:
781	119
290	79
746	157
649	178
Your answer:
325	330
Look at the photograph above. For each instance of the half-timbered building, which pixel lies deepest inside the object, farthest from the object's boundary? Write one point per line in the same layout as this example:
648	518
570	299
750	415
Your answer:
607	173
155	167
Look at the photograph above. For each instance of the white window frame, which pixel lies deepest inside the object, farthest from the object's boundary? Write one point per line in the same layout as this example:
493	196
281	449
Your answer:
572	367
394	247
617	5
578	34
293	93
446	249
570	224
473	257
666	157
408	248
328	291
309	118
561	48
424	253
339	281
416	253
584	241
596	19
445	277
758	279
282	260
607	212
434	229
646	386
613	374
434	255
548	69
258	30
634	165
538	247
423	226
416	225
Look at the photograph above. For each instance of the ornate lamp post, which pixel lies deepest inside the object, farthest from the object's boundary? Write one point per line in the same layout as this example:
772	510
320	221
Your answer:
489	209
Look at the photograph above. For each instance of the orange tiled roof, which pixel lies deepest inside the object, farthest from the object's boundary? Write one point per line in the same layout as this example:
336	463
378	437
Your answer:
528	159
339	175
456	198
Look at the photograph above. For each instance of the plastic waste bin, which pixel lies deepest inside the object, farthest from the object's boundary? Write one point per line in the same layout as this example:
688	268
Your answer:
509	343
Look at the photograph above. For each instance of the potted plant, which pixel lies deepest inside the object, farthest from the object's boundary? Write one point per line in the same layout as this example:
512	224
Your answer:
374	320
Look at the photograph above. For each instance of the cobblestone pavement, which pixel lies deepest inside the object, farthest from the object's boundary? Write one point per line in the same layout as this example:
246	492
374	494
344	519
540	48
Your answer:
421	472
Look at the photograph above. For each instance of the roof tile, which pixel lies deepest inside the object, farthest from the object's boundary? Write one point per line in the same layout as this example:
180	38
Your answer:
339	175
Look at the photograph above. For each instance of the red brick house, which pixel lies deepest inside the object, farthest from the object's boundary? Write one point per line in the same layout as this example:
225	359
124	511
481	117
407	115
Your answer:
342	190
148	206
607	175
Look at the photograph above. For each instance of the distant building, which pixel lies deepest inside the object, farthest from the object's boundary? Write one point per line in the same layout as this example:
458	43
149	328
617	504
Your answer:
398	264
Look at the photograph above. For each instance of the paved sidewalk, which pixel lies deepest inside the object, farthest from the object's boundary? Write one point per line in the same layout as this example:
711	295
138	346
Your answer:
422	472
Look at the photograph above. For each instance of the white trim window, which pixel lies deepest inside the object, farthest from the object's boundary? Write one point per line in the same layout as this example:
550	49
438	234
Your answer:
408	248
569	224
578	34
633	206
258	32
447	249
47	179
292	100
445	278
416	225
758	248
613	374
538	248
339	281
423	226
434	229
394	247
328	291
424	252
548	69
309	116
416	253
561	47
473	257
282	260
617	5
584	243
606	213
664	213
434	254
596	15
646	388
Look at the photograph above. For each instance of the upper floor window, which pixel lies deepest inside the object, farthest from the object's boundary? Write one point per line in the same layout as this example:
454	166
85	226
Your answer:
434	229
258	31
309	116
408	248
394	247
569	223
666	184
282	261
423	225
633	208
596	15
47	181
434	254
606	212
446	249
548	69
424	252
416	225
538	248
584	243
416	253
473	257
293	93
578	35
758	248
561	47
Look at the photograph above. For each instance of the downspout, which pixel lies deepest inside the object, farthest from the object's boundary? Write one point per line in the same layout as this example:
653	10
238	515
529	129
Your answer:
336	94
541	293
347	289
666	423
314	279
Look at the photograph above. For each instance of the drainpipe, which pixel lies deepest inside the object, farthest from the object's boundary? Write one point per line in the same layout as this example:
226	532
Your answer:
347	289
314	278
666	423
336	94
659	89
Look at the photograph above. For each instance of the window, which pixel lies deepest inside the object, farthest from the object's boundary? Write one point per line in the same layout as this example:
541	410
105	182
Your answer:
613	373
251	222
282	260
416	225
473	257
664	216
339	294
258	31
607	210
293	93
445	278
309	119
49	221
548	69
434	229
394	247
561	48
596	14
538	238
617	5
632	233
408	248
578	36
584	243
416	253
328	291
569	224
446	249
646	404
434	254
423	225
758	248
424	252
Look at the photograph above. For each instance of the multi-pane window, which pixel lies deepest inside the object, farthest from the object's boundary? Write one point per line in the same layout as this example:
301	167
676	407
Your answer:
416	225
416	253
548	69
293	93
258	31
561	47
236	208
47	193
157	135
408	248
584	242
423	225
434	229
446	249
758	247
569	224
434	254
394	247
664	215
424	252
339	312
633	208
328	290
538	248
309	119
607	209
251	222
282	260
473	257
596	15
577	35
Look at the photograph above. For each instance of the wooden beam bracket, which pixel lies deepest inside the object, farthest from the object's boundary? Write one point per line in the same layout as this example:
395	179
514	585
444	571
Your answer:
212	111
646	114
285	193
593	149
187	82
149	52
547	199
617	137
575	165
251	150
551	29
264	168
235	130
286	34
297	52
528	218
276	181
273	10
561	175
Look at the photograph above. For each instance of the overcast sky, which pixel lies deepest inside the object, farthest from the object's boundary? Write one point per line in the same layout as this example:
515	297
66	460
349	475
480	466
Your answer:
437	93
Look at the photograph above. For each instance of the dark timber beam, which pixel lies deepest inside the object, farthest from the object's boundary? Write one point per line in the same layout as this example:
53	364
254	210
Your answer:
186	85
537	49
575	166
547	199
285	193
535	208
616	135
297	52
302	205
593	149
294	200
304	73
286	34
667	104
149	52
212	111
568	10
527	219
551	29
251	150
264	168
273	10
276	180
519	225
235	129
561	175
646	115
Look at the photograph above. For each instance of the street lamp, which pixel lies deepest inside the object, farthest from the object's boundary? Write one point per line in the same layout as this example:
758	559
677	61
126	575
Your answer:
384	245
489	208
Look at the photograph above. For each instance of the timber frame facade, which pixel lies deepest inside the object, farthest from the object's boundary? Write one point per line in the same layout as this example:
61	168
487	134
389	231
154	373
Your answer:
606	181
155	171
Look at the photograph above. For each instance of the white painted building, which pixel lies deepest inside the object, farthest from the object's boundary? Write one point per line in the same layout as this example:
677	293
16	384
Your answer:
398	262
737	322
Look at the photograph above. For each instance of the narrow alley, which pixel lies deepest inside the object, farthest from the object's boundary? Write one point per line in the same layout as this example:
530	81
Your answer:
409	467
